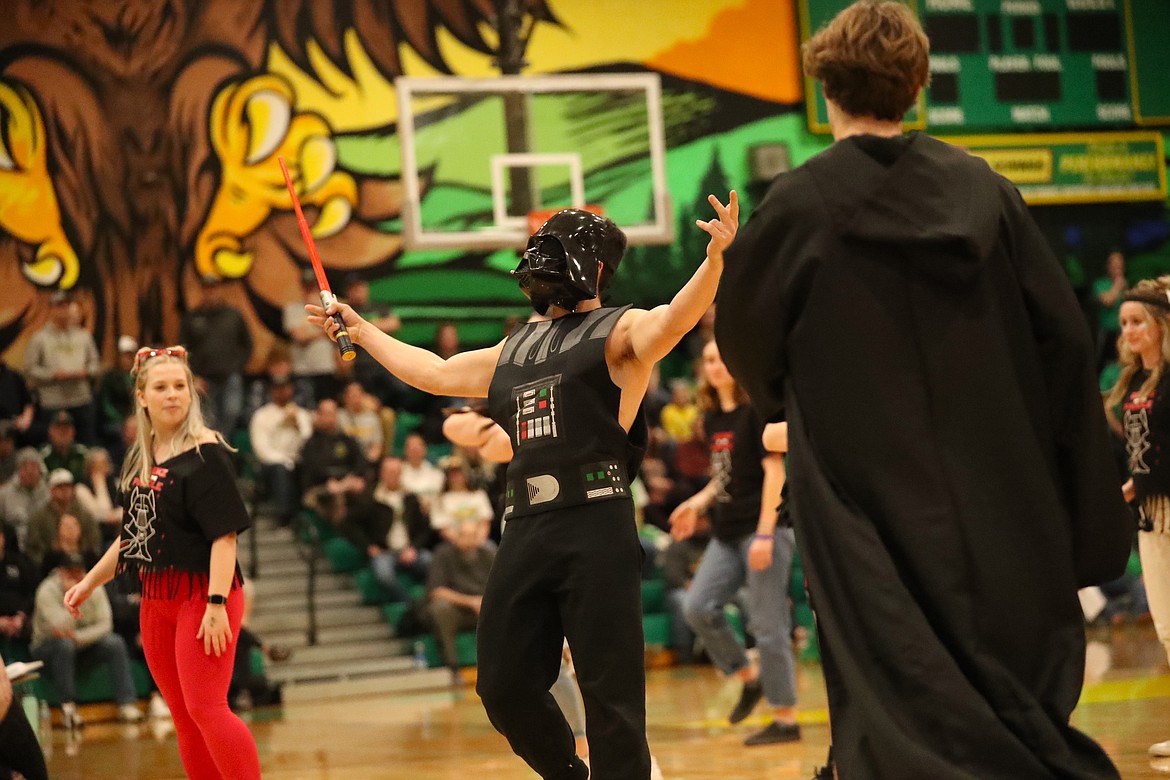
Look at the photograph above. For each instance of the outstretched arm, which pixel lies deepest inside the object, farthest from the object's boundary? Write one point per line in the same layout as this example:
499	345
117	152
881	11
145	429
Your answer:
466	374
650	335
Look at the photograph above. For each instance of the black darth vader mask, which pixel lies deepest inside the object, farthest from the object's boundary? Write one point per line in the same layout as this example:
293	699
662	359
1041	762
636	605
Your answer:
560	265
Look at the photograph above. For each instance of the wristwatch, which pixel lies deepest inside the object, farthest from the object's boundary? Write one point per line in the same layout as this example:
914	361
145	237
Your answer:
216	598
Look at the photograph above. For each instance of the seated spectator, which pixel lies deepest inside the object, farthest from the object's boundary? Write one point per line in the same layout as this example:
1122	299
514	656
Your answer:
69	543
360	419
62	640
680	416
24	493
420	477
7	450
62	450
98	491
278	430
455	585
18	587
459	506
259	387
333	468
43	525
410	539
115	397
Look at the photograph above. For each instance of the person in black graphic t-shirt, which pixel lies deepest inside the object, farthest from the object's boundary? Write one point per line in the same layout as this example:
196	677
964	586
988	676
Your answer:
746	547
181	515
568	392
1142	391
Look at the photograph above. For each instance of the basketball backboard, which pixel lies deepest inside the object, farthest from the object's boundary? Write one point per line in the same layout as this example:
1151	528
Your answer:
480	155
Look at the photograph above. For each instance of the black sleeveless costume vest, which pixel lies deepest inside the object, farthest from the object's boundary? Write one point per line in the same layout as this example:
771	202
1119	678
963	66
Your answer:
553	394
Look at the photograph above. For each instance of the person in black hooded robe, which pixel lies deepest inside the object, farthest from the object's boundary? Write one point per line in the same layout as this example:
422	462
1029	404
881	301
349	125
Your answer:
949	468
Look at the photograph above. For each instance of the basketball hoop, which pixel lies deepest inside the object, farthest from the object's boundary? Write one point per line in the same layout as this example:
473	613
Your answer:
538	217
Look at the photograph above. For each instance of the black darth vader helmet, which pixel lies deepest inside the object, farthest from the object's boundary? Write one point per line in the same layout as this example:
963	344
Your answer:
560	264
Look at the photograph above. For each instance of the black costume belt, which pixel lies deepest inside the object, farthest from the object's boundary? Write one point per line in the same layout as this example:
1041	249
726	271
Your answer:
536	491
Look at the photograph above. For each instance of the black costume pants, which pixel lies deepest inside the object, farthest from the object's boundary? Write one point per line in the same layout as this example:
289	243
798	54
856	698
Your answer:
19	749
570	573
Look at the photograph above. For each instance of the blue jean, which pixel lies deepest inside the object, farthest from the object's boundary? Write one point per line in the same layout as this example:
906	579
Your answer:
723	570
386	568
282	490
62	655
682	639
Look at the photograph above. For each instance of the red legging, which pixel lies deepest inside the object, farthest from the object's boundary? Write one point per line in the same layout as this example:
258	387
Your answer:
214	743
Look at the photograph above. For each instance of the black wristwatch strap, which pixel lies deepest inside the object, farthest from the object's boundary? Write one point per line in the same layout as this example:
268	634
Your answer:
216	598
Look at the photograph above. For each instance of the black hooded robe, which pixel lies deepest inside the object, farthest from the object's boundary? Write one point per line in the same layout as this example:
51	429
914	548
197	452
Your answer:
949	469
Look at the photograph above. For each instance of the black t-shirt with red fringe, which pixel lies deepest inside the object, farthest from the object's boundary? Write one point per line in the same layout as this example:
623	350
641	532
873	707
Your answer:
168	525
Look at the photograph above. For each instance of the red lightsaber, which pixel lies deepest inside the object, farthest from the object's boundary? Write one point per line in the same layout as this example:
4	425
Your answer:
344	344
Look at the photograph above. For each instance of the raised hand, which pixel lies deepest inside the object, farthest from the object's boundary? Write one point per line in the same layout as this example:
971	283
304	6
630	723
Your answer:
722	229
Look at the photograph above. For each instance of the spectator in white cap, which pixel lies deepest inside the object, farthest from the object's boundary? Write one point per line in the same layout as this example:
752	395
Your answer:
24	492
42	525
116	393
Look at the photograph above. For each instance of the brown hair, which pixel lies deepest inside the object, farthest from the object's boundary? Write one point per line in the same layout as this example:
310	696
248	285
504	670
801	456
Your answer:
872	58
707	396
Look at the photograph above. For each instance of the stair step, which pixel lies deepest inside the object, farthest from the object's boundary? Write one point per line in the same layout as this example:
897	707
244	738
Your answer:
337	652
264	623
283	602
290	568
402	682
326	635
275	553
337	670
270	585
272	533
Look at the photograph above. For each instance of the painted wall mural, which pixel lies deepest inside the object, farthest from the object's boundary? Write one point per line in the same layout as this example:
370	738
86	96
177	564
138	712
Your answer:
138	141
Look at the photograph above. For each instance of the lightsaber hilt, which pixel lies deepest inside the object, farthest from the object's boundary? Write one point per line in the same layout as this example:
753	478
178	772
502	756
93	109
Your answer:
344	342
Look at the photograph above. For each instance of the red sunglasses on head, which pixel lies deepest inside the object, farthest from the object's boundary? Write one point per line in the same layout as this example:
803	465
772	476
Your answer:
146	353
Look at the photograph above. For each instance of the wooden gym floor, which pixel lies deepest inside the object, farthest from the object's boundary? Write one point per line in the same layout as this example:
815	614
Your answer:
1125	706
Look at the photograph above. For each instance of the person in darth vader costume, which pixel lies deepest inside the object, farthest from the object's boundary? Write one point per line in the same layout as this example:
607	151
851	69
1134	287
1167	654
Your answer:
950	474
568	391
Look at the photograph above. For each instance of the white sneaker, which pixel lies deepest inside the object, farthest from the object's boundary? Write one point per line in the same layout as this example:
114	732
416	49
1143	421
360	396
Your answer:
1160	749
129	713
158	708
70	717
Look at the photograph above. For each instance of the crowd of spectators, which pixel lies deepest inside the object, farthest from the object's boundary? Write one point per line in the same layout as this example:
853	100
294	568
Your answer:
323	434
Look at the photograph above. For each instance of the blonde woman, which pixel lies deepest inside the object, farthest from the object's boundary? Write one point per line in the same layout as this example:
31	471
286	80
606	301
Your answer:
181	515
1142	393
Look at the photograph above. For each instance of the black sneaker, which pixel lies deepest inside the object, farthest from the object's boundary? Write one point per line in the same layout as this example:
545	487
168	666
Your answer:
774	732
826	772
749	697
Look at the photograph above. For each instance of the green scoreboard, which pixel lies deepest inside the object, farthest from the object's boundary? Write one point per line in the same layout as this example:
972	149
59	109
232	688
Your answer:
1030	65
